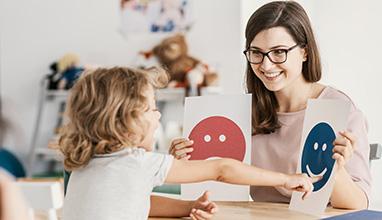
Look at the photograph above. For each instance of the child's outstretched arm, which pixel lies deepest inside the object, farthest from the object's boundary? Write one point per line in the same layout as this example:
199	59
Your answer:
235	172
202	208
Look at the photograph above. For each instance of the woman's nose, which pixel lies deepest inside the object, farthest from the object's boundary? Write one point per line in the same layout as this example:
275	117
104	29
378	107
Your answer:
266	64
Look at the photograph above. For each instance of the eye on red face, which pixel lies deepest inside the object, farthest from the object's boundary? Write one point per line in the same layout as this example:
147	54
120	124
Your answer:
217	136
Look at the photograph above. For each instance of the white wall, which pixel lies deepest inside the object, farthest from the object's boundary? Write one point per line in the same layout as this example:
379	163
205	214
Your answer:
348	34
35	33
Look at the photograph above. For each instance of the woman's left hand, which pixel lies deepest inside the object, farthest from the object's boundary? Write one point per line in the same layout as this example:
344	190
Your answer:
343	149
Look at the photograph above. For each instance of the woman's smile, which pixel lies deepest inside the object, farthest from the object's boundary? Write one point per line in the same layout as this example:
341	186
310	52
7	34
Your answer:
272	76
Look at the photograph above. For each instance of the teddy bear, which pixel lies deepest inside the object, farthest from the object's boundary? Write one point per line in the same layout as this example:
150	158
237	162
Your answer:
184	70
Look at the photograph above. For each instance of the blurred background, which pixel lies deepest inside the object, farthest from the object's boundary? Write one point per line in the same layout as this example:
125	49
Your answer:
80	34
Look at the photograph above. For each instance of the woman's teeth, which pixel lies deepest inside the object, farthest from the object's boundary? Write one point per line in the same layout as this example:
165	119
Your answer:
272	74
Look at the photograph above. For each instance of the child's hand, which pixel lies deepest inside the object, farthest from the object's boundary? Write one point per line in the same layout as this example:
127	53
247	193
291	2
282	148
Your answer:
203	208
180	148
301	183
344	146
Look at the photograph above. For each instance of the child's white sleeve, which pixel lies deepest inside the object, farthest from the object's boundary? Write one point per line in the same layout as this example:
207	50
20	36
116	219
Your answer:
160	166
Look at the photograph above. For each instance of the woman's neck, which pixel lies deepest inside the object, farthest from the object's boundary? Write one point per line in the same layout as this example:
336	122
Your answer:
294	98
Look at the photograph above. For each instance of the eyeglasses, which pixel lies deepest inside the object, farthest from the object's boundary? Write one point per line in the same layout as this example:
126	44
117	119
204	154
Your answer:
276	56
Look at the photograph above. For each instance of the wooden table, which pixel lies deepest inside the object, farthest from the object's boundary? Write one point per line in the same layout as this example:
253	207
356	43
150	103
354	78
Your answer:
260	210
250	211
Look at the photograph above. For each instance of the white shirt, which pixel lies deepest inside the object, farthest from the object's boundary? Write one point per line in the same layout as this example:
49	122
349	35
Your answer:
115	186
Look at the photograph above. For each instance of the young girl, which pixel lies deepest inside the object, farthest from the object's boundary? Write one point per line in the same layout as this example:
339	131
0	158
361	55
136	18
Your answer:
283	69
107	145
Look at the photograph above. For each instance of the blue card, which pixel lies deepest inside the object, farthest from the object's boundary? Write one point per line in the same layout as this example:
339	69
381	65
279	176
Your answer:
363	214
323	119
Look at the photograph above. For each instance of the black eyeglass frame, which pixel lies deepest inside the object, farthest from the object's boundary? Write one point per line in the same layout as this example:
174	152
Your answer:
267	54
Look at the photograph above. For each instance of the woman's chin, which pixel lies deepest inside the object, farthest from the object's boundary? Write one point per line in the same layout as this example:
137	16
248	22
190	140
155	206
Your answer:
274	87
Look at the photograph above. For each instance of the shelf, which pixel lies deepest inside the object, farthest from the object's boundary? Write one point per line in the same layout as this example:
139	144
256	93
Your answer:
167	94
170	94
178	94
48	154
57	93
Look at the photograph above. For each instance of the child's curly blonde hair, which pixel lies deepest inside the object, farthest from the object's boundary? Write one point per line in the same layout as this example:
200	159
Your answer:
104	111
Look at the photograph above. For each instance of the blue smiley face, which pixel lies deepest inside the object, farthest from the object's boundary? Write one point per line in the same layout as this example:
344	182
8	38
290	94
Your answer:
317	155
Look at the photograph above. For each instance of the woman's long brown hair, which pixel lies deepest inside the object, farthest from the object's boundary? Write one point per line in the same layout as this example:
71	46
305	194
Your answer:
293	18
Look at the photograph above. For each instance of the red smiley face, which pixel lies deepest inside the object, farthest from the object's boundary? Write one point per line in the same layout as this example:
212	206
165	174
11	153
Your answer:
217	136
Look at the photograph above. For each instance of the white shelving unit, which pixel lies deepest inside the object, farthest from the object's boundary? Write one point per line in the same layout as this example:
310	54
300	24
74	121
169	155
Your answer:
43	152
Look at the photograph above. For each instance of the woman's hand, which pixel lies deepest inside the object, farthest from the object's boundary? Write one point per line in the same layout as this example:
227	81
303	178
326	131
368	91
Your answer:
301	183
180	148
203	208
343	149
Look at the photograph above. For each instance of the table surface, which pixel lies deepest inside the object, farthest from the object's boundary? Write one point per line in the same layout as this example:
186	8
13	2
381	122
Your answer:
248	210
262	210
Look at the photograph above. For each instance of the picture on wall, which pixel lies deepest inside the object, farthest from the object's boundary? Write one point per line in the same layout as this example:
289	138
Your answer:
155	16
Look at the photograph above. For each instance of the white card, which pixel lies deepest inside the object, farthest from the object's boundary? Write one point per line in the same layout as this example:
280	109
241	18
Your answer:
323	120
220	126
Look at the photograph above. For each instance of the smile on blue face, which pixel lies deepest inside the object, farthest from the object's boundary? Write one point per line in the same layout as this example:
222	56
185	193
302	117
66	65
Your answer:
317	154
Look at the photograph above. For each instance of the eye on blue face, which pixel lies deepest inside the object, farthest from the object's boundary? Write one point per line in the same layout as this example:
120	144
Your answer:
317	155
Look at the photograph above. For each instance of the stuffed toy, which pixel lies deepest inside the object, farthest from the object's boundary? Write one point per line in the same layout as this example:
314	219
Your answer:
185	70
68	67
54	77
64	72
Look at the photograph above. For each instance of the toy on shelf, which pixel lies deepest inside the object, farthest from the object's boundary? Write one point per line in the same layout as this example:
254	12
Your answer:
64	73
185	71
54	77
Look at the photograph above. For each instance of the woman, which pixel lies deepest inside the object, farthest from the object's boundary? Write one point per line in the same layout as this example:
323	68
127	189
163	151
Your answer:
283	70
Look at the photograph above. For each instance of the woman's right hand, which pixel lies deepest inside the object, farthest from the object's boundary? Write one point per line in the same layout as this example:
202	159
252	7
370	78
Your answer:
301	183
180	148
